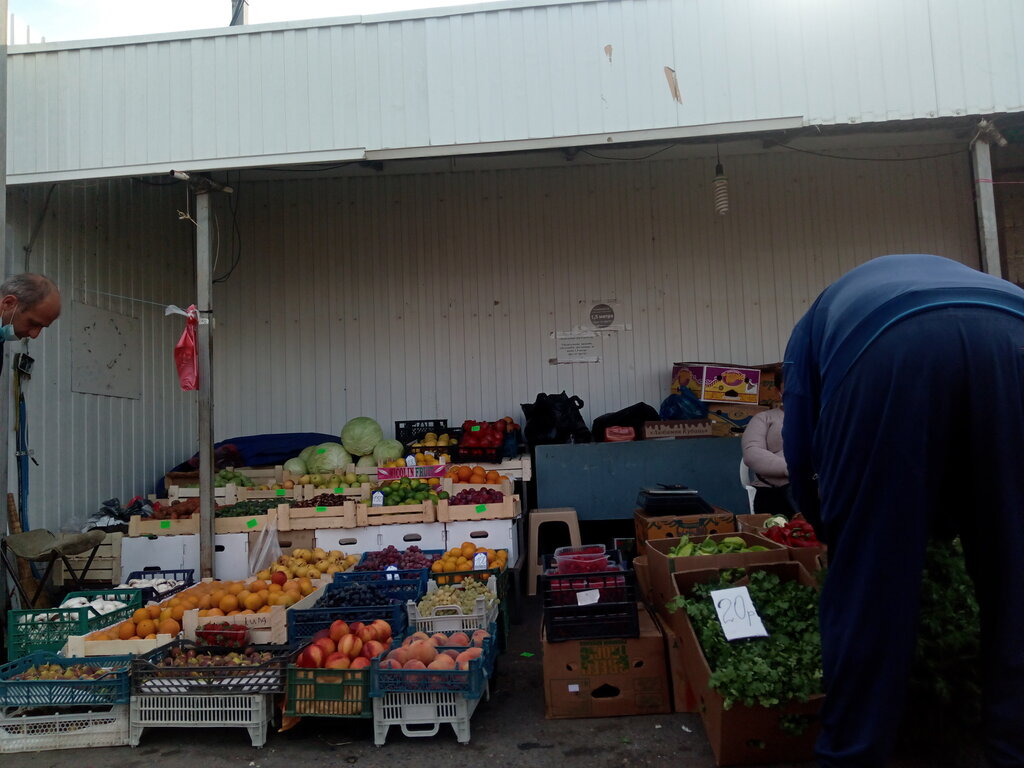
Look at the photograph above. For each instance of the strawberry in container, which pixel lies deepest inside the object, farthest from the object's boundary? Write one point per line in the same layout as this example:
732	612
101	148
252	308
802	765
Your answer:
222	634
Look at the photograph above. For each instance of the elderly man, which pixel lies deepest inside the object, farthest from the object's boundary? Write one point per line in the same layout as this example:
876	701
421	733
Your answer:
29	303
904	415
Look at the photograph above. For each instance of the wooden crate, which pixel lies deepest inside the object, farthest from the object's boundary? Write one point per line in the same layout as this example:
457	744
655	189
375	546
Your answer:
358	493
226	495
244	524
505	486
403	513
269	628
505	510
291	518
251	494
140	526
105	567
259	475
77	646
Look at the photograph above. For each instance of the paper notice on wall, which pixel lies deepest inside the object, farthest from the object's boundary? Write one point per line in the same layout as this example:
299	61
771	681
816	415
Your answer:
577	347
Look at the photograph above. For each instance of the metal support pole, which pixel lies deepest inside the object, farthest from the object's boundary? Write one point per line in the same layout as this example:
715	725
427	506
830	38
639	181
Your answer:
985	202
204	339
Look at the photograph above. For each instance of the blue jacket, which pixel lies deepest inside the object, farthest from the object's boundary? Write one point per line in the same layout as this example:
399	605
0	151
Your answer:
842	323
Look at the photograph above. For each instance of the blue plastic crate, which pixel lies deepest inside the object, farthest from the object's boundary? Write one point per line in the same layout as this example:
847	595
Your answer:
303	624
433	554
470	683
406	577
112	688
184	575
151	678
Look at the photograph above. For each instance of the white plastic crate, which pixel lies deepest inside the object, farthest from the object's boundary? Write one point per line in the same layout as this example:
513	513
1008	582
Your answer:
444	618
423	714
202	711
21	731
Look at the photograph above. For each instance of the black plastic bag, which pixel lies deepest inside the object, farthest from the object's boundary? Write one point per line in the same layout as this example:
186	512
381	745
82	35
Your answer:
634	416
555	419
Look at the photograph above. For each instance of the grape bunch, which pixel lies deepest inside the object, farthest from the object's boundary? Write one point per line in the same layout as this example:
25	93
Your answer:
323	500
477	496
353	595
410	559
464	596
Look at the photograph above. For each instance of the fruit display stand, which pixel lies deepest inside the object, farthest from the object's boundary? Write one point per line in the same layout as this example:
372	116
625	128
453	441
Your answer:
45	714
452	618
292	518
105	567
367	514
48	629
419	702
270	628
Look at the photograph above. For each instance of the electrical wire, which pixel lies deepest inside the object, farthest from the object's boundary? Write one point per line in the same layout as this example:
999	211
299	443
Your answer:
608	157
870	159
236	232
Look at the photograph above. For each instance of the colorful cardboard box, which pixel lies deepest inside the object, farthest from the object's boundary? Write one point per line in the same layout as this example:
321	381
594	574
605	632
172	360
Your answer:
653	526
607	678
726	382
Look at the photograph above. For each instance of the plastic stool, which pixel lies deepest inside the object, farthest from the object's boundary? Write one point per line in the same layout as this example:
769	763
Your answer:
537	518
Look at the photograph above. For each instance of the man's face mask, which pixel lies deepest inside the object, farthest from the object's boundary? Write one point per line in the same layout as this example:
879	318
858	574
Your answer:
7	329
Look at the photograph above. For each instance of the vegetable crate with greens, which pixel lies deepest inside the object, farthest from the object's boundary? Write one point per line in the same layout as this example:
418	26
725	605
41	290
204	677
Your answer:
760	697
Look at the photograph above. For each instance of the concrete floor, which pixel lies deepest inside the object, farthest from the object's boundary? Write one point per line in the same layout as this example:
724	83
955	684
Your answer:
508	730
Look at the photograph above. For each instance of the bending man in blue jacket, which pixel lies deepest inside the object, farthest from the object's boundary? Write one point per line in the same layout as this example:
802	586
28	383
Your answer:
904	416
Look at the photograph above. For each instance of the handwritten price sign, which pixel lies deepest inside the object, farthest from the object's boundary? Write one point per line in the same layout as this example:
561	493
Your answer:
737	614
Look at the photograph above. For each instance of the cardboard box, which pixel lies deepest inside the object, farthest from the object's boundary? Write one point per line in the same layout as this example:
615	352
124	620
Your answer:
729	420
683	697
744	735
661	566
643	578
607	678
677	429
652	526
494	534
718	382
348	540
811	558
289	540
405	535
692	376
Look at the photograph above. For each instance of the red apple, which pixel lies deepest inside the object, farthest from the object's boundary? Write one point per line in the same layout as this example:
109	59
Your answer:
373	648
360	662
312	657
337	661
278	577
327	644
337	629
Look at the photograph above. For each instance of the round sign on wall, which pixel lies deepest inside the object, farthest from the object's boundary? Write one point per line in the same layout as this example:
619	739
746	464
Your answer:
601	315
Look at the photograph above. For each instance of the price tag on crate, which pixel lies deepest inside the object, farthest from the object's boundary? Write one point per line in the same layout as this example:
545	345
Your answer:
588	597
165	524
280	492
392	573
737	613
252	522
480	561
377	499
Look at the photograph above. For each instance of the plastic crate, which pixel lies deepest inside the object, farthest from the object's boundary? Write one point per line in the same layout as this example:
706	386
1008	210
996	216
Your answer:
231	636
185	575
418	575
151	679
410	431
111	688
328	692
304	623
433	554
569	614
450	618
501	575
48	629
467	682
24	731
479	454
422	714
232	711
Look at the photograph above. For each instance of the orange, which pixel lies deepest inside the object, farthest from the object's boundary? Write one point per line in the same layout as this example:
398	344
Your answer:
215	612
241	596
150	636
468	549
464	473
274	588
254	602
265	609
478	470
216	595
246	612
478	479
126	630
169	627
235	587
204	602
140	615
154	611
177	613
258	586
493	476
145	627
228	603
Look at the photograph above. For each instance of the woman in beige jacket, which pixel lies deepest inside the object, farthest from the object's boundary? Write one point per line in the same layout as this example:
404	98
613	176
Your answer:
762	453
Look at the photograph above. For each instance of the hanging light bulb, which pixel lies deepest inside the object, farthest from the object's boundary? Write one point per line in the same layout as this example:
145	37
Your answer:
720	189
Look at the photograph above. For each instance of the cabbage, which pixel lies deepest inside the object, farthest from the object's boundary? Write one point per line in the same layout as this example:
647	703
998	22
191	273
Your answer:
388	450
366	461
361	435
296	466
305	454
327	457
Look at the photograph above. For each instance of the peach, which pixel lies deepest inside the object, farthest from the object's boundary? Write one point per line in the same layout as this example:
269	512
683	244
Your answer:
350	645
337	660
337	630
327	644
422	650
372	649
459	639
359	662
312	657
414	664
382	628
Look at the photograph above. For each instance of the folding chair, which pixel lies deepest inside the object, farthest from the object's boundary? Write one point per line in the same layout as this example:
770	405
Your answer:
41	546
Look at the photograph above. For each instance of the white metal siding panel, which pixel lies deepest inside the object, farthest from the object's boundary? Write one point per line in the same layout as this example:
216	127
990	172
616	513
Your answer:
507	74
436	295
121	239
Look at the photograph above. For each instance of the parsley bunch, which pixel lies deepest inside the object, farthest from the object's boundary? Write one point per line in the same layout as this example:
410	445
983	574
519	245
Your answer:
764	671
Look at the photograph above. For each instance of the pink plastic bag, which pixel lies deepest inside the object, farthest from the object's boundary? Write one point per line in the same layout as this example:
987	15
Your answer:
185	357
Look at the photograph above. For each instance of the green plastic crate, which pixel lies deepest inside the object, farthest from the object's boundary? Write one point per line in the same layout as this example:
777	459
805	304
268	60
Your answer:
47	629
328	693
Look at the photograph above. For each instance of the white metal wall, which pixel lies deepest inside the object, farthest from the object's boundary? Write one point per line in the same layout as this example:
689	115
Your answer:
512	72
94	239
427	296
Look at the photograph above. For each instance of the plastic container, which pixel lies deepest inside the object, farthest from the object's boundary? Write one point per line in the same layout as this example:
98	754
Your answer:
451	618
469	682
101	727
410	431
589	558
150	678
249	712
328	692
590	606
48	629
303	624
184	575
223	635
422	714
111	688
406	577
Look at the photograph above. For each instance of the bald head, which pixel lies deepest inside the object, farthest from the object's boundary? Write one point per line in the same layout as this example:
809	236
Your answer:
29	302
